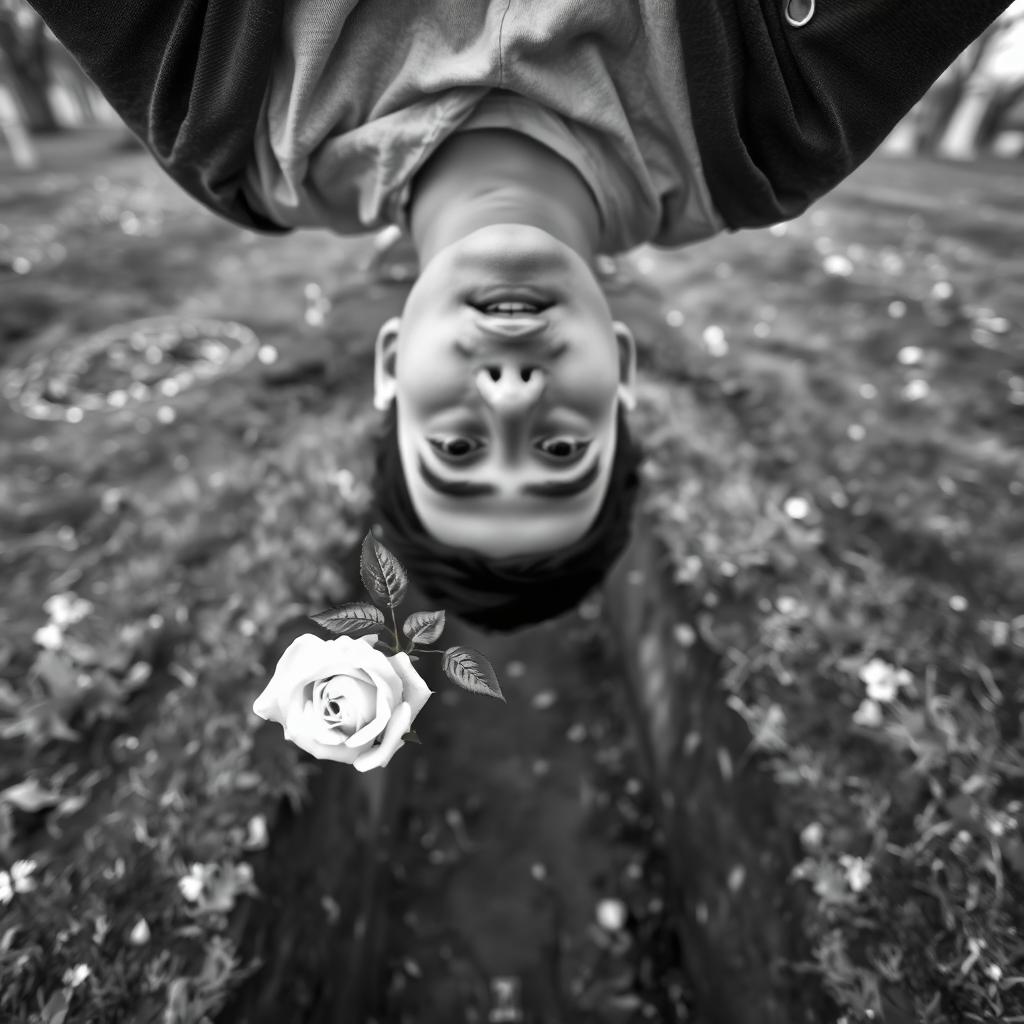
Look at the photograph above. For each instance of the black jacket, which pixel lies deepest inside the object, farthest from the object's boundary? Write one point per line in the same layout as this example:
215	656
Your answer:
781	114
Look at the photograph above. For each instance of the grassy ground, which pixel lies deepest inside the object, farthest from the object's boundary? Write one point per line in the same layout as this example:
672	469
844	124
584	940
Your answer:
836	414
839	480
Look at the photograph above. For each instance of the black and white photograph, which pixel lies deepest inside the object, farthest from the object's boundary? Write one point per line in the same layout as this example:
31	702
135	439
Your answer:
512	512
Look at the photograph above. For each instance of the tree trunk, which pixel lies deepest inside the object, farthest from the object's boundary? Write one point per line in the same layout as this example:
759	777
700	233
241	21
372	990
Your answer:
28	64
942	102
992	122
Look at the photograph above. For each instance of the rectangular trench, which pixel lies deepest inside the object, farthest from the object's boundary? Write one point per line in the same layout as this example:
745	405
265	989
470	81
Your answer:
479	859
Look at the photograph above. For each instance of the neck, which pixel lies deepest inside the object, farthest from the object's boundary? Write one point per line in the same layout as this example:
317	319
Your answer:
493	176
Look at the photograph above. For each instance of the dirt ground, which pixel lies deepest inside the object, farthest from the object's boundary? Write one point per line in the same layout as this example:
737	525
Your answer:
843	392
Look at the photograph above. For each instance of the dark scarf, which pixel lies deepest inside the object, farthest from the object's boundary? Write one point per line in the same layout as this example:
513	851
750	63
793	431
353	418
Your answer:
502	594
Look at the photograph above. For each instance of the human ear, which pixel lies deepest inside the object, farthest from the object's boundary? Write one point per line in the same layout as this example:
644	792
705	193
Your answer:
384	357
627	364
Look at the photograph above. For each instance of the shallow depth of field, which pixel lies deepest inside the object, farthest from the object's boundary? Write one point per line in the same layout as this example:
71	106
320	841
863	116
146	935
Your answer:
834	412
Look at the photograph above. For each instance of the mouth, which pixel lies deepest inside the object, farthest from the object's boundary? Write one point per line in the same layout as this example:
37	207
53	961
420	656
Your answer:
508	303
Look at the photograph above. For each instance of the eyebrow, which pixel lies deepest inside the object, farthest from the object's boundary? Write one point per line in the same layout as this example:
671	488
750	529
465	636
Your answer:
548	489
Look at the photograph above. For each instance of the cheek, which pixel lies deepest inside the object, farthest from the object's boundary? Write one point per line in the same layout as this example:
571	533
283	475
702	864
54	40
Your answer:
591	386
429	376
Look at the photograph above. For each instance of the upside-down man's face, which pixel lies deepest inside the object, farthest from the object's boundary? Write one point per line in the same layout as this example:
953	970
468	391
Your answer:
506	413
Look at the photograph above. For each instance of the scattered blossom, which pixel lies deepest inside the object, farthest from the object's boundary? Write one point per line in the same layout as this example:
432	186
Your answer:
21	873
869	714
50	636
797	507
884	681
66	608
191	885
611	915
256	837
18	880
858	873
75	976
812	835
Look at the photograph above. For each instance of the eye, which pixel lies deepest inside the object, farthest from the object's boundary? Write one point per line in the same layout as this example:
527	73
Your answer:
454	447
562	447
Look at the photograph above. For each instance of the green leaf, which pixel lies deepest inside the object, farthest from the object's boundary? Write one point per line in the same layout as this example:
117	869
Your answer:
382	574
411	737
424	627
469	669
351	619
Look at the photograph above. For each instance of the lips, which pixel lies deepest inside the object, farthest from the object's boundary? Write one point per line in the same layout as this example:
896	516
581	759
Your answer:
536	300
508	308
505	325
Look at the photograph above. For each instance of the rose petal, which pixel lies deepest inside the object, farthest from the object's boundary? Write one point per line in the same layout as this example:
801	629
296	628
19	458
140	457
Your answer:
313	727
378	665
415	691
292	709
387	690
358	697
393	680
379	756
372	730
293	720
340	753
306	659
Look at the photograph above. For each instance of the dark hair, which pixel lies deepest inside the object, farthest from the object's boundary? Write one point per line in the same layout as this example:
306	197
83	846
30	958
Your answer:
502	594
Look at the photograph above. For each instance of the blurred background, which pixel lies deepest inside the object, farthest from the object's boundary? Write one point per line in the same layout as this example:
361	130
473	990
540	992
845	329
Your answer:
773	771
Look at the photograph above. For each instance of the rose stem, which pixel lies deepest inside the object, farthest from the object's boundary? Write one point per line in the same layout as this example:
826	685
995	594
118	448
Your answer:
394	622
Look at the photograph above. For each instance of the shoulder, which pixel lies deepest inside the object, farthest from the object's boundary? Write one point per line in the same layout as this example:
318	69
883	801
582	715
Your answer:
788	97
187	78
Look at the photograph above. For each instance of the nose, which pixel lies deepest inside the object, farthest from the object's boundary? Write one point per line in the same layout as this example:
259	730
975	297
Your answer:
510	385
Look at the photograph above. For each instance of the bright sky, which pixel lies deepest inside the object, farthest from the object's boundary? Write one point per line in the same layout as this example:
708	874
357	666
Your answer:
1007	57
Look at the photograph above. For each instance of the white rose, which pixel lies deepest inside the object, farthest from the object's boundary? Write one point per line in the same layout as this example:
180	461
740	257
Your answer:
343	700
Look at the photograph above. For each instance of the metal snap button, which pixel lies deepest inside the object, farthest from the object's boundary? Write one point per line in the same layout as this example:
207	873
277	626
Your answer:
799	12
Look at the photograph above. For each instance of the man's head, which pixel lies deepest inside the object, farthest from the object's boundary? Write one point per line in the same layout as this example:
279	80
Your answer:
506	593
507	370
506	475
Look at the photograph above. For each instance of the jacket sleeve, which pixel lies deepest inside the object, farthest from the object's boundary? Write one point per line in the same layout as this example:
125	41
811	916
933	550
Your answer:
186	76
783	114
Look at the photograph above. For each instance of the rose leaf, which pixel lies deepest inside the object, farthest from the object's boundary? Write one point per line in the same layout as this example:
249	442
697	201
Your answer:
351	619
469	669
411	737
424	627
382	574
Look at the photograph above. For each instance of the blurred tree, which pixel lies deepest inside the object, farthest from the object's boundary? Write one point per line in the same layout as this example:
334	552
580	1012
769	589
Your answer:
1005	111
25	64
964	110
14	132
